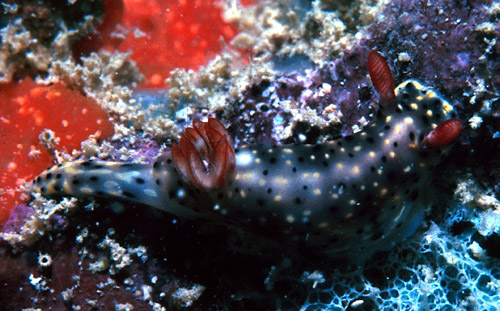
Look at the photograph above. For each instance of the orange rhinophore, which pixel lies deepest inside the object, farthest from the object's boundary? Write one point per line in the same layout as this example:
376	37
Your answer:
382	79
444	134
204	155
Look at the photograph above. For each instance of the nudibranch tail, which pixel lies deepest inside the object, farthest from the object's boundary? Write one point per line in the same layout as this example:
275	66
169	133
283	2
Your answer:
381	76
444	134
204	155
107	180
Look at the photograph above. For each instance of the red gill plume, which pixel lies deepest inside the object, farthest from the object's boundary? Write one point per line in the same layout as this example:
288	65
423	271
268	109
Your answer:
444	134
382	79
204	155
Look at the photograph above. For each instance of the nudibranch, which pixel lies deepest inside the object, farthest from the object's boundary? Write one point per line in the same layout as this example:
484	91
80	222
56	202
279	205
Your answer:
347	197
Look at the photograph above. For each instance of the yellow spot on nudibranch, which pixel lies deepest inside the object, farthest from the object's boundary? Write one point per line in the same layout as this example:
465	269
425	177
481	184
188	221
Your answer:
431	94
287	150
257	160
288	162
417	85
357	148
110	164
340	165
323	225
86	190
278	198
447	107
317	191
316	175
388	119
408	120
72	171
262	182
248	176
371	154
387	142
414	106
398	129
281	180
355	170
66	187
383	191
392	154
429	113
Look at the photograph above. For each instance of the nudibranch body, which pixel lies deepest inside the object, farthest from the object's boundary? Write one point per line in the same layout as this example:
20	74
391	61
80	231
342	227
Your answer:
357	193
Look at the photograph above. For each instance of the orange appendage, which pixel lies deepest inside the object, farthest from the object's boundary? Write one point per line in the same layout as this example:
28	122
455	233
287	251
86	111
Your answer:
382	79
444	134
26	110
204	155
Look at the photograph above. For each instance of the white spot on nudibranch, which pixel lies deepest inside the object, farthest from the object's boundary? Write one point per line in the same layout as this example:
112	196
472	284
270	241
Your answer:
180	193
150	193
244	159
113	185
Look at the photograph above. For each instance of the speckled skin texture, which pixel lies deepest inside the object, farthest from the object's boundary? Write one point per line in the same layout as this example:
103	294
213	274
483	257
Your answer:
358	193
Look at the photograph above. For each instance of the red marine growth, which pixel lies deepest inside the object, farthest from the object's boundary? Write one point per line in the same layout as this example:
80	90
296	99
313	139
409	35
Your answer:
162	35
26	110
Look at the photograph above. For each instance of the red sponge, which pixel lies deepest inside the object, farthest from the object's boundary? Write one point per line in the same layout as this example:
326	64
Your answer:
26	109
161	34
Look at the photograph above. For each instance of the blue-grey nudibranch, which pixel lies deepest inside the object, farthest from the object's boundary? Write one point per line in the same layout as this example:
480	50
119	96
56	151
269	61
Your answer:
357	193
